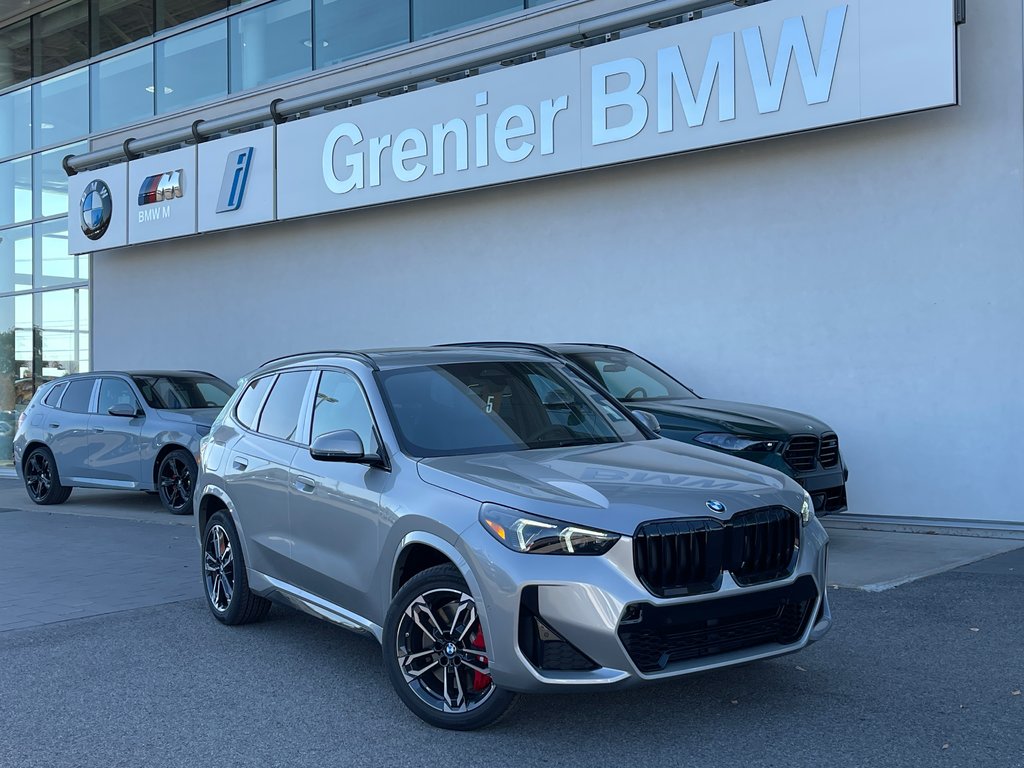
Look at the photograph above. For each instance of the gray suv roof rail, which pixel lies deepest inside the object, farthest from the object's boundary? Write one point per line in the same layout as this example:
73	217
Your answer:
360	356
506	345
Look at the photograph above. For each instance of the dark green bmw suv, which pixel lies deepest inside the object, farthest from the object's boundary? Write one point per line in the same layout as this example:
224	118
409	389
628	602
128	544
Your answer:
801	446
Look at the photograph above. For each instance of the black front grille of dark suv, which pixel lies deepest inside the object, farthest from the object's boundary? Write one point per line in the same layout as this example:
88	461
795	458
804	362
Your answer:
802	453
828	454
657	636
687	557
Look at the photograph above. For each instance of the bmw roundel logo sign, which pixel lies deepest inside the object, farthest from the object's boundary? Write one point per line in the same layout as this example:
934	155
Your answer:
96	209
715	506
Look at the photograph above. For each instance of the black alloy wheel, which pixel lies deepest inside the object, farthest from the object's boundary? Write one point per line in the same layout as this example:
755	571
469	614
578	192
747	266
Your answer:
176	479
41	479
224	580
436	654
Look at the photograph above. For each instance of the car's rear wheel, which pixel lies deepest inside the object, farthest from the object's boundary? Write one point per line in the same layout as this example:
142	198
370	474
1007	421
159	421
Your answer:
176	479
436	655
226	585
41	479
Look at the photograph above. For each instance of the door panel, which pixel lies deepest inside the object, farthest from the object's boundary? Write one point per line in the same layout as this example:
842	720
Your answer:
68	429
115	441
335	506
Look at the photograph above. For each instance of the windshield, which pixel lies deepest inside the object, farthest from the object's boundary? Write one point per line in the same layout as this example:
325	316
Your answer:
178	392
466	408
629	377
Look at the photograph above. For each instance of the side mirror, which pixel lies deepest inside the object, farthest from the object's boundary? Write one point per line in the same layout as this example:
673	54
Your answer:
649	420
343	445
123	409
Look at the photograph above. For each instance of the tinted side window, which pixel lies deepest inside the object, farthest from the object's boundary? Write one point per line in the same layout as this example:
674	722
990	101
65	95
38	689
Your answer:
78	395
340	404
116	392
280	417
250	400
53	396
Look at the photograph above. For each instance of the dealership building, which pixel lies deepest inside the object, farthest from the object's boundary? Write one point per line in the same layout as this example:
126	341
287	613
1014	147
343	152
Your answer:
812	204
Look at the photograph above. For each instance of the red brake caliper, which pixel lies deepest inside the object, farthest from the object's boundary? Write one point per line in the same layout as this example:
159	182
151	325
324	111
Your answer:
480	681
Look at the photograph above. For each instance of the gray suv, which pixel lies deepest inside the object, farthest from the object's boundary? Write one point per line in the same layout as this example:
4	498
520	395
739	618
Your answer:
127	431
499	525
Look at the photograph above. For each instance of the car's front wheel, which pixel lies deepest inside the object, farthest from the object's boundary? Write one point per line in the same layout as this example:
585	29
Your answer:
436	654
41	479
226	585
176	478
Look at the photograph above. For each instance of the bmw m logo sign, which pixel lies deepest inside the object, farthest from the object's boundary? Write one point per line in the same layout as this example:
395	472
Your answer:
715	506
161	187
96	209
236	176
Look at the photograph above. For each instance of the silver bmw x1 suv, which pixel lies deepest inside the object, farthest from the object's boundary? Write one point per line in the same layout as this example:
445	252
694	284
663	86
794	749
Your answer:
499	525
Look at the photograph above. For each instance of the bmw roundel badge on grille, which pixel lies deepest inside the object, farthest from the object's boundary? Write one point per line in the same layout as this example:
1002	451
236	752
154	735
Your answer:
715	506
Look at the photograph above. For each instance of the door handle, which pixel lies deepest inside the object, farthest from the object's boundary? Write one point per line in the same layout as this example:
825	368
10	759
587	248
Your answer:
54	425
240	464
304	484
97	429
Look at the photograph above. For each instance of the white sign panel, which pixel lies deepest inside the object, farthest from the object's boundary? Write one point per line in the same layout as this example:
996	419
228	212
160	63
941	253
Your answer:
162	196
236	180
98	209
767	70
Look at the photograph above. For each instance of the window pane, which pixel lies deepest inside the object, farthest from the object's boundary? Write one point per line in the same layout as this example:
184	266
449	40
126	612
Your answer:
349	28
63	335
78	396
15	53
122	90
269	43
15	191
53	264
53	396
50	191
171	13
280	417
62	36
250	400
16	259
180	59
431	17
119	22
15	121
115	392
340	404
61	108
16	383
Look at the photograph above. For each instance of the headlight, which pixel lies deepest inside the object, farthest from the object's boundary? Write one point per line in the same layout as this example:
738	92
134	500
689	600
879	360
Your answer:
539	535
730	442
807	509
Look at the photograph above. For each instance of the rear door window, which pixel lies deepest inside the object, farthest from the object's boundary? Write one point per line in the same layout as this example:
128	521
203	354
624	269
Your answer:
280	417
249	402
78	396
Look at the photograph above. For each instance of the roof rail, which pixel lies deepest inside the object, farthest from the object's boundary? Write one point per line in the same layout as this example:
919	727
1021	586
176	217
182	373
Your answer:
540	348
360	356
593	344
204	373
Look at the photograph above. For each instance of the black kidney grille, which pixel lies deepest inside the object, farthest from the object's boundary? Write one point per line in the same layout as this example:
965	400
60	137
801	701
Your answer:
686	557
679	557
663	635
802	453
828	455
763	542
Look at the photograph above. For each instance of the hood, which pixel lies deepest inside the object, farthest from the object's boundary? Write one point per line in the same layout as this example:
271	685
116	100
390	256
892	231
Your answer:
201	416
614	487
758	420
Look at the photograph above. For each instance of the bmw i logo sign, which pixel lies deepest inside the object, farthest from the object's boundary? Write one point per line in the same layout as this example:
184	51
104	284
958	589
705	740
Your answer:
96	209
715	506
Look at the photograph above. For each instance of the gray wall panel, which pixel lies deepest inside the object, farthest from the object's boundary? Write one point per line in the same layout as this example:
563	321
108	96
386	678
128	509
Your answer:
871	275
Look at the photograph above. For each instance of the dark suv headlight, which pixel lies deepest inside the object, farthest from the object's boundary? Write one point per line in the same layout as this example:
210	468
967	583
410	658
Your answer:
730	442
521	532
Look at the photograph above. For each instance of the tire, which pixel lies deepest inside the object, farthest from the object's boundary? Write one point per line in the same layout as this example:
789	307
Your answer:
176	481
443	681
225	583
42	482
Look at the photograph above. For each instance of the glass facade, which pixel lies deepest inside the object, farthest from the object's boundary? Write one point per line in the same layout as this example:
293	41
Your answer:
84	67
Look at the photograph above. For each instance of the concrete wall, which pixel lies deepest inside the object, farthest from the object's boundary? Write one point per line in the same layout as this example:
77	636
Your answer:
871	275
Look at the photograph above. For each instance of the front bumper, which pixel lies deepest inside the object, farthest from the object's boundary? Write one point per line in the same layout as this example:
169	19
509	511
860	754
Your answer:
591	603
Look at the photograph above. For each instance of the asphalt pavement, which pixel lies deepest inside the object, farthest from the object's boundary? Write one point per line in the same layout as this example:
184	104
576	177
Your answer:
925	674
